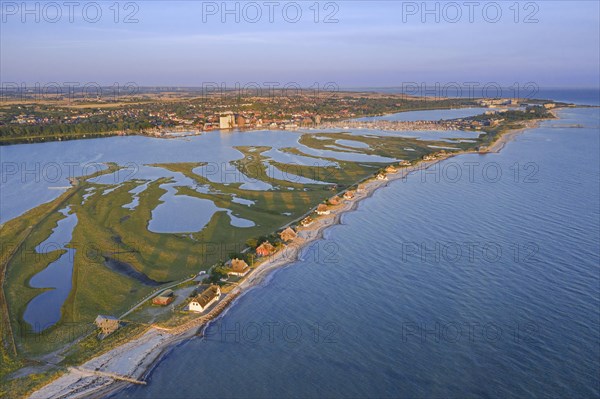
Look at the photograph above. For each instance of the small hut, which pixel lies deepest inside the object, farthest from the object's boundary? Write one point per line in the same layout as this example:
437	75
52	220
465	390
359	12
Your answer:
265	249
238	267
165	298
107	324
348	195
288	234
381	176
322	209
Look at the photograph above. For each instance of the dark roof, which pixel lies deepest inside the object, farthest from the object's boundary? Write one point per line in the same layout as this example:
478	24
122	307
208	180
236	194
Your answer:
207	295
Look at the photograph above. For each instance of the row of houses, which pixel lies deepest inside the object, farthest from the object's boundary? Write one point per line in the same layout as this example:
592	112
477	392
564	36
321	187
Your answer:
235	266
433	157
323	209
239	267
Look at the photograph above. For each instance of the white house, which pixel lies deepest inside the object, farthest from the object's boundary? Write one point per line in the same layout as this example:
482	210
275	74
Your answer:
203	301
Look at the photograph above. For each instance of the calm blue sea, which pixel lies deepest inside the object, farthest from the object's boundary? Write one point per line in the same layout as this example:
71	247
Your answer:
478	278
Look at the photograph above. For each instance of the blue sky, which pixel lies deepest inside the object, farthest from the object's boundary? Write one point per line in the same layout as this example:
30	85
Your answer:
371	44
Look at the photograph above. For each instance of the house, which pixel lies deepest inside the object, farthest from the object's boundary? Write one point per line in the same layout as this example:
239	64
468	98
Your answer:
307	221
390	169
335	200
404	163
226	120
322	210
429	158
265	249
165	298
238	267
202	301
107	324
361	188
381	176
288	234
348	195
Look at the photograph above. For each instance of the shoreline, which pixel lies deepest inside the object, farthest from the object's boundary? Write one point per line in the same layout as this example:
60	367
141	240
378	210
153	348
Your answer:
138	357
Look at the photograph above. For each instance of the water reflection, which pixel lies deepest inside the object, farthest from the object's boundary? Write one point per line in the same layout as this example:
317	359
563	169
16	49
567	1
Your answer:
44	310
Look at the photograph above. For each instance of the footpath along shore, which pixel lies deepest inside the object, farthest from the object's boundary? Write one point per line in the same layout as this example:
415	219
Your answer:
136	359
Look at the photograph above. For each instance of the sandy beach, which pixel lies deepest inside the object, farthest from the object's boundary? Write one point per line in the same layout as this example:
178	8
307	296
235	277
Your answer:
100	376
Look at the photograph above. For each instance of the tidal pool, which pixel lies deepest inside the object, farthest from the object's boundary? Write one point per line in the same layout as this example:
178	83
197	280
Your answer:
44	310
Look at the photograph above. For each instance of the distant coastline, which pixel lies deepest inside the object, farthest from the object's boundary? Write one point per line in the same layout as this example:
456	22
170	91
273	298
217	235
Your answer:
176	132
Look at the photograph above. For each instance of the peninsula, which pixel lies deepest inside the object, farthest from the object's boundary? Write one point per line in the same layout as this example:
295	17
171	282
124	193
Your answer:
152	277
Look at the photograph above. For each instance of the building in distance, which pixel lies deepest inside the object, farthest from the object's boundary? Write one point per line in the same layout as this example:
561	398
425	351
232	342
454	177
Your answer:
226	120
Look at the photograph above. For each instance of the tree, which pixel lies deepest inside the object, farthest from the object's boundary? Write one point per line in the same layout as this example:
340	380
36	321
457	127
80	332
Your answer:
252	243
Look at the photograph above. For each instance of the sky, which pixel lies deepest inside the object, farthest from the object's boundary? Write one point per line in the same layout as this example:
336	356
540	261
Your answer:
350	43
